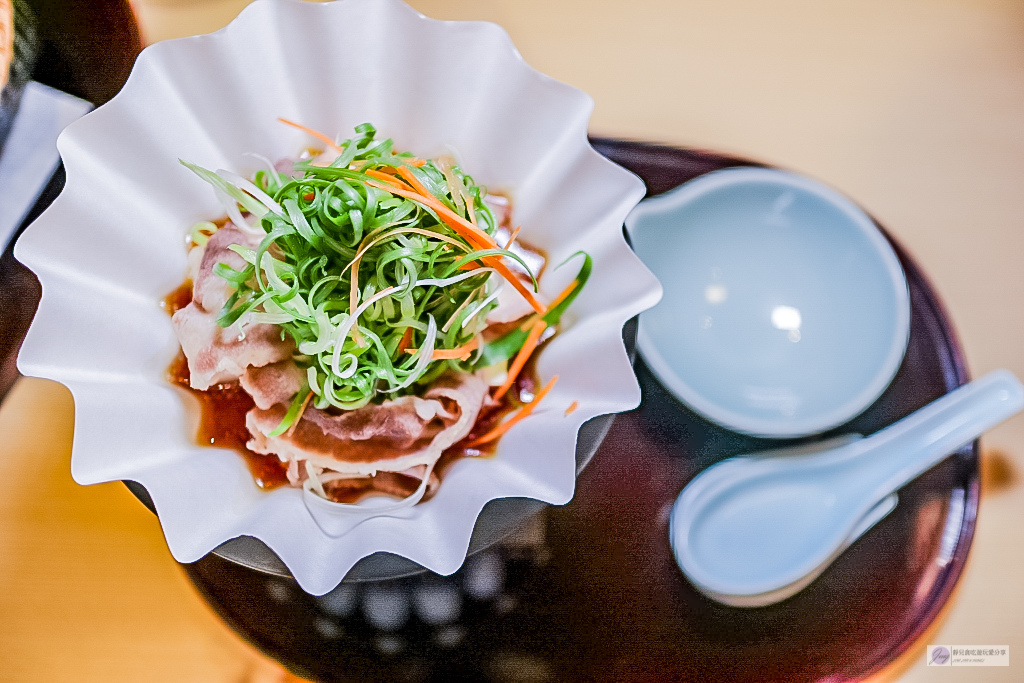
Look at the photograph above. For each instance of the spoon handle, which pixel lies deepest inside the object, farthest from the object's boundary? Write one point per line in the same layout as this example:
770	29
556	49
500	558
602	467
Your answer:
924	438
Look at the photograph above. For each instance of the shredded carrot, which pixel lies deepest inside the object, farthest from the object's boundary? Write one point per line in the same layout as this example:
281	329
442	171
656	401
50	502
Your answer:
413	161
462	227
512	238
315	133
572	408
302	409
477	238
470	225
472	234
523	412
387	178
515	282
309	196
561	297
465	229
459	352
411	178
504	271
406	339
521	357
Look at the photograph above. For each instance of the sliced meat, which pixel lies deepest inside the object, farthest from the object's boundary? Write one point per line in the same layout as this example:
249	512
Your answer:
209	291
511	306
392	437
274	383
221	354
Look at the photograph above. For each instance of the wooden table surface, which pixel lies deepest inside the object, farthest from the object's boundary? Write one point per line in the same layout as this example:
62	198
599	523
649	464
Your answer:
915	108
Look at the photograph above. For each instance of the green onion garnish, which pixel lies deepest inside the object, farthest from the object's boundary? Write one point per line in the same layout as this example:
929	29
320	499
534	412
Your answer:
376	282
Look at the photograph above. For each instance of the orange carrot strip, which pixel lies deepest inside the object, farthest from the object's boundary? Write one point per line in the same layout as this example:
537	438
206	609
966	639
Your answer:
530	320
512	238
471	224
523	412
411	178
521	357
457	223
572	408
413	161
406	339
565	292
315	133
472	234
516	282
459	352
387	178
477	238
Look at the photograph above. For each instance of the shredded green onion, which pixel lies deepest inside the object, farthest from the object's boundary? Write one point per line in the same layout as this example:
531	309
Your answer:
329	225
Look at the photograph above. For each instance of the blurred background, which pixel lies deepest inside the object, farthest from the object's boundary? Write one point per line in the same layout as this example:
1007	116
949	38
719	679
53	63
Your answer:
914	108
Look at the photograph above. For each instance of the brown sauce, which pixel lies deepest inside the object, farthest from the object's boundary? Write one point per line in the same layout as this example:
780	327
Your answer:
222	424
178	299
491	416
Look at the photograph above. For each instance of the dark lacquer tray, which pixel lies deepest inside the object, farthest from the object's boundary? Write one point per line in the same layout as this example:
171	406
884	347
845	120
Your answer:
590	591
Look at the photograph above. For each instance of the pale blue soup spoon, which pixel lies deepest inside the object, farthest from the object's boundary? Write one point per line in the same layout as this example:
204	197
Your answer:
755	529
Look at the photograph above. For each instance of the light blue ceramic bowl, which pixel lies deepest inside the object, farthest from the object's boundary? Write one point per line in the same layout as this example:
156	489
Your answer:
786	311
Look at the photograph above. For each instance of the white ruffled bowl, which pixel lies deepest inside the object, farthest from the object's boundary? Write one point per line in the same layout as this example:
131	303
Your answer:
113	246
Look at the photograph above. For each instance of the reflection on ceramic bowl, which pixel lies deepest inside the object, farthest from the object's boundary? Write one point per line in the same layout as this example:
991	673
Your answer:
112	246
786	311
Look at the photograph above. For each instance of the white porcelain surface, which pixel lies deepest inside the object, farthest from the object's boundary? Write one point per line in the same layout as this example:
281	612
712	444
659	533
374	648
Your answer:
113	245
786	311
754	529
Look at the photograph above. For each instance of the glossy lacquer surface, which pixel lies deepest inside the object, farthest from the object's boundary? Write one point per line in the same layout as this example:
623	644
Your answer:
590	591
